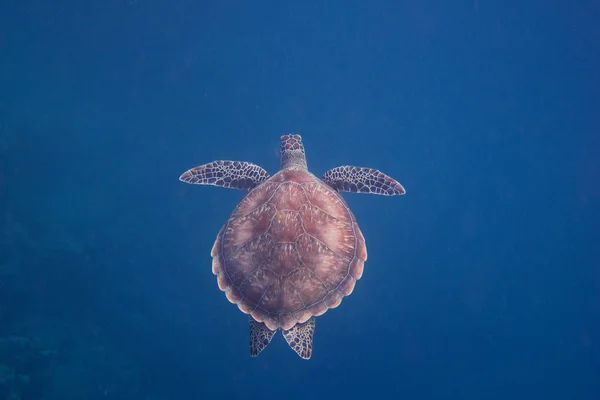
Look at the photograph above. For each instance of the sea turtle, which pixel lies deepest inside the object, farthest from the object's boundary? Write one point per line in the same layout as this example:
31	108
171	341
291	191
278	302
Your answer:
292	248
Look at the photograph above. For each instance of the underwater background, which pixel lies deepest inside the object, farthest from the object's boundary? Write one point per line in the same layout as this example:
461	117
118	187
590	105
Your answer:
483	281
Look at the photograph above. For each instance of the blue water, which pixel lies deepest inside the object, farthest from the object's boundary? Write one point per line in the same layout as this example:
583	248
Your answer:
483	281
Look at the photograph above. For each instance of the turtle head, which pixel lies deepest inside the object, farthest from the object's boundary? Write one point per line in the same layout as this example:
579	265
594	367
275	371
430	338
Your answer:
292	152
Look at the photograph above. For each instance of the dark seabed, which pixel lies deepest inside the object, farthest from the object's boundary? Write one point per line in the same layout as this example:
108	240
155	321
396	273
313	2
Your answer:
483	281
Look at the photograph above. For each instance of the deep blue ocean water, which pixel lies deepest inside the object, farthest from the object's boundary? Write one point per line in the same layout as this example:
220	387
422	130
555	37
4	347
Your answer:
483	281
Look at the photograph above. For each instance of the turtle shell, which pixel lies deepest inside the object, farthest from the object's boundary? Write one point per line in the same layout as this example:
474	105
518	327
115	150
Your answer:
290	250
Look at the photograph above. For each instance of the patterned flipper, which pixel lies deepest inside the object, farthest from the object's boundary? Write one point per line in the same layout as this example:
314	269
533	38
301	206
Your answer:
300	338
260	337
229	174
362	180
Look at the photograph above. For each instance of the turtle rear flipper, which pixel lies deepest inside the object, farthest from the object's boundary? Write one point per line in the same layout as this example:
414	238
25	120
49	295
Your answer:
228	174
260	337
362	180
300	338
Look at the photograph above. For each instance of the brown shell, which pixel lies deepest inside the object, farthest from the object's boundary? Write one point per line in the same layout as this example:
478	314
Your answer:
290	250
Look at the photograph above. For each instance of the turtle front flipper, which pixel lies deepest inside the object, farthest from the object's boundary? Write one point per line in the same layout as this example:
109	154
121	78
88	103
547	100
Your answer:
300	338
362	180
229	174
260	337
